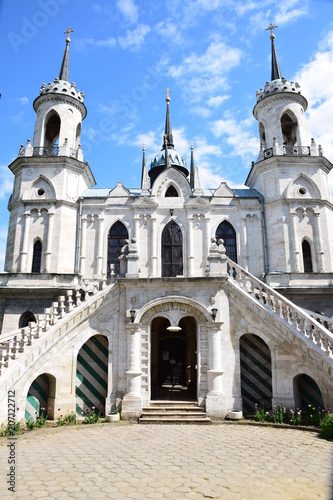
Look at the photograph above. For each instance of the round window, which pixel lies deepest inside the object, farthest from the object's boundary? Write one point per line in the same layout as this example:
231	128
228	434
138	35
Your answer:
40	192
302	191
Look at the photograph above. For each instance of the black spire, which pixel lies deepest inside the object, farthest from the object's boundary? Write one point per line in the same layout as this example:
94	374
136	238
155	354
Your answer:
192	172
276	73
168	130
64	70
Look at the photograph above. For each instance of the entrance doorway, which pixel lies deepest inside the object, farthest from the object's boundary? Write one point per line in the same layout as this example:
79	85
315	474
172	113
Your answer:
174	360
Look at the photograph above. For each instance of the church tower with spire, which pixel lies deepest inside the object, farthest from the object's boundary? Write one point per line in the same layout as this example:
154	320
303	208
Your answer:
50	176
292	175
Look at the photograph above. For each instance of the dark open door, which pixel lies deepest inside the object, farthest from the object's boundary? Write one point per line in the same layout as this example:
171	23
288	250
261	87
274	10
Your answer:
172	250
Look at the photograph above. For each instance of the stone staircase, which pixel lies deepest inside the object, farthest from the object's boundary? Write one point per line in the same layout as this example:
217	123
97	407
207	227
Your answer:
174	412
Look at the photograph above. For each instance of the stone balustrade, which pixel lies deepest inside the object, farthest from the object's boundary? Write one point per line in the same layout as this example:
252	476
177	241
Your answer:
16	342
296	317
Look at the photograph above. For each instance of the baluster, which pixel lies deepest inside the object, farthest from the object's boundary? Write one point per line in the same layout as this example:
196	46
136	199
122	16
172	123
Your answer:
54	317
39	329
302	324
95	290
69	294
308	328
14	347
47	316
103	280
78	296
61	306
112	272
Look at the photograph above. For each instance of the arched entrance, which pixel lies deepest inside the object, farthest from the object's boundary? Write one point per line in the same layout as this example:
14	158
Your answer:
256	373
41	397
174	360
307	393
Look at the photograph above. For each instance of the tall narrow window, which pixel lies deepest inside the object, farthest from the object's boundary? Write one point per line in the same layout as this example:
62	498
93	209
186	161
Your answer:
172	250
116	240
307	259
226	232
37	257
171	192
289	130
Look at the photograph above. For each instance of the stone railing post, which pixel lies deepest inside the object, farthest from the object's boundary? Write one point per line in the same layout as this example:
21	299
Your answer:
132	401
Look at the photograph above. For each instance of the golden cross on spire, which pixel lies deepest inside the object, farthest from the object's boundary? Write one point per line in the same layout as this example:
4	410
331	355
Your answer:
68	32
143	146
167	94
271	27
192	144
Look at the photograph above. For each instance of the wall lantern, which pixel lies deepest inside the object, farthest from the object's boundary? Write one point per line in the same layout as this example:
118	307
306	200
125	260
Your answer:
214	313
132	313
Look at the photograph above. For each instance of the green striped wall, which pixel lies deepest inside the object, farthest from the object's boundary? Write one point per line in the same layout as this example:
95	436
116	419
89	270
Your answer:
309	392
92	375
256	373
37	397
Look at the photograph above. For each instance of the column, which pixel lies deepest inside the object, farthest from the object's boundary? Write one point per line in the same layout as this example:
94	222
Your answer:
153	240
215	400
48	251
206	245
320	252
244	244
136	220
190	257
100	245
83	245
24	251
132	401
297	266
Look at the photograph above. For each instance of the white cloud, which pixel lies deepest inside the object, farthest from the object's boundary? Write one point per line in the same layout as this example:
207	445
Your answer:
109	42
216	101
152	141
129	10
170	30
23	100
237	134
6	181
134	39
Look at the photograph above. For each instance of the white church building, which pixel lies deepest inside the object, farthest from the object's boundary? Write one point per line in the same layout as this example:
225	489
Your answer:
120	298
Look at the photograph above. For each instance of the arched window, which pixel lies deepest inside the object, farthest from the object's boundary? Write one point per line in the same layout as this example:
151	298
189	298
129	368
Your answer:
289	130
116	240
171	192
226	232
52	130
307	259
26	318
37	257
172	250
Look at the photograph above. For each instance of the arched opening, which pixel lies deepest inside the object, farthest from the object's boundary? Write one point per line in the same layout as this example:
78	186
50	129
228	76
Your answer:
26	318
307	393
307	259
171	192
289	130
41	397
172	250
262	135
256	373
174	360
78	136
52	130
116	240
92	375
37	257
226	232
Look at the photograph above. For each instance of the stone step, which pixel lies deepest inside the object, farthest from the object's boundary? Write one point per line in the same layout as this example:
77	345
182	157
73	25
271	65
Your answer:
175	420
171	404
174	412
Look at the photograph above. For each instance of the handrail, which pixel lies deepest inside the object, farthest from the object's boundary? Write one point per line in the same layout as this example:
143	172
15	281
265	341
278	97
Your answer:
282	307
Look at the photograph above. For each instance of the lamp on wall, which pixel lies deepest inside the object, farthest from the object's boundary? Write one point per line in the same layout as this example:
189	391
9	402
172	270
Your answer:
132	313
171	212
214	313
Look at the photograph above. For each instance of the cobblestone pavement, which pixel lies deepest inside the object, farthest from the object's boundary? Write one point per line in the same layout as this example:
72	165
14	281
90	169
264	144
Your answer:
173	462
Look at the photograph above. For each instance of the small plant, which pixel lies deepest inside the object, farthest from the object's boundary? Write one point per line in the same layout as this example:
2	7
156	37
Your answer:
92	417
30	424
41	419
10	429
70	418
296	417
279	414
326	430
260	414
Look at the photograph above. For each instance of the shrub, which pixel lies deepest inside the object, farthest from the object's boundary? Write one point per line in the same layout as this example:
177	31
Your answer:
326	430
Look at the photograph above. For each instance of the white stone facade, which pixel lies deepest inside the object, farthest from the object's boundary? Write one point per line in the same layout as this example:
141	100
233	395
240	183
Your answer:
119	297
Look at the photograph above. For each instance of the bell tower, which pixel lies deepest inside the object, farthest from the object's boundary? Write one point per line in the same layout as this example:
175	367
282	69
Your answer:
60	111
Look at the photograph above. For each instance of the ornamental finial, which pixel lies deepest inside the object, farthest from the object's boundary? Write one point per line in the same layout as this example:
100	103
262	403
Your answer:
68	32
167	99
271	27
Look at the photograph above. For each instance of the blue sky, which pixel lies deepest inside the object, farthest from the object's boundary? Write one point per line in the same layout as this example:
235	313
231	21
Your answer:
212	54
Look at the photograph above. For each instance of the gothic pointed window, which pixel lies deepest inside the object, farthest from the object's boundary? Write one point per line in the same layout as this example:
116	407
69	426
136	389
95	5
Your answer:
37	257
116	240
226	232
171	192
172	250
307	259
289	130
52	131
